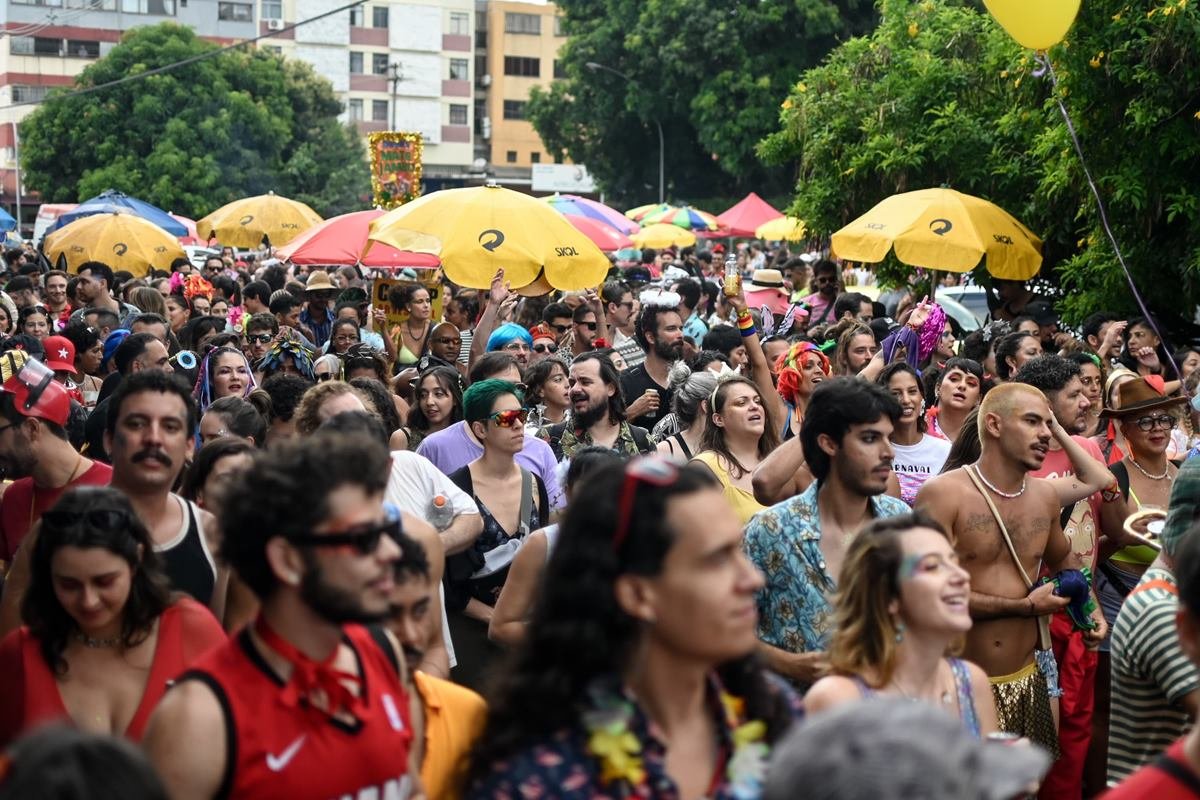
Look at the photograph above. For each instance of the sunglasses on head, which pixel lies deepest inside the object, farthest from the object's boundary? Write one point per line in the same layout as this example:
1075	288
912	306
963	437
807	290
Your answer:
648	470
510	418
362	538
103	518
545	348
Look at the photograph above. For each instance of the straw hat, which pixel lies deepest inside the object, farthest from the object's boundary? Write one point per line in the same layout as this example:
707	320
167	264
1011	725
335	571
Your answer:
318	281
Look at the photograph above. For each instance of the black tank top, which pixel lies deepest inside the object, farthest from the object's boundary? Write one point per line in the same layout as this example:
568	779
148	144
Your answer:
188	563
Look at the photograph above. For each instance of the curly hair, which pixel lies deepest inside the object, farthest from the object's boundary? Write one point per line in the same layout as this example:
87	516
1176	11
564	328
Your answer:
78	520
312	468
308	413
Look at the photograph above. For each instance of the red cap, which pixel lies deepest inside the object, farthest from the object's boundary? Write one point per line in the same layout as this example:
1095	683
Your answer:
36	393
60	354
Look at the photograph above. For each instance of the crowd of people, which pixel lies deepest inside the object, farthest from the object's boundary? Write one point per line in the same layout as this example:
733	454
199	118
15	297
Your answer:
721	527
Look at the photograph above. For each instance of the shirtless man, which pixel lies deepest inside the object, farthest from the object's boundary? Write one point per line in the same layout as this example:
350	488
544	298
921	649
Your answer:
1014	433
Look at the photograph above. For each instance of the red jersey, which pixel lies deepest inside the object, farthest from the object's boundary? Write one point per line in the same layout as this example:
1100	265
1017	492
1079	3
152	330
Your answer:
277	750
186	630
24	503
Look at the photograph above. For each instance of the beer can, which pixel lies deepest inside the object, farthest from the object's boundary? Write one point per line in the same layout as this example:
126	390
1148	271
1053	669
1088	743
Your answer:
732	284
1003	737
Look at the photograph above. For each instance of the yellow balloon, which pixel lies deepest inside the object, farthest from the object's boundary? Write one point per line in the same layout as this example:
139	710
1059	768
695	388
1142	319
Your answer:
1036	24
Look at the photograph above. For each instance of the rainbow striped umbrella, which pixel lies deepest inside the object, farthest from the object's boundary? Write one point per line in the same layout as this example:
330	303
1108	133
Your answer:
638	213
692	219
575	206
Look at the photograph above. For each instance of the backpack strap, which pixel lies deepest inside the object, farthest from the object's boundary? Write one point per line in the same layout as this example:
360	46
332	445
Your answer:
526	502
380	637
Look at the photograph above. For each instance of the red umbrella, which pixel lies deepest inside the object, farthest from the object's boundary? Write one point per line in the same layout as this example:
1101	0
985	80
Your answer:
339	241
606	237
745	217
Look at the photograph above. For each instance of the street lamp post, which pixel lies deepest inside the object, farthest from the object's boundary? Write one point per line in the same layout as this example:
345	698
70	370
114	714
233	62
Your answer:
593	66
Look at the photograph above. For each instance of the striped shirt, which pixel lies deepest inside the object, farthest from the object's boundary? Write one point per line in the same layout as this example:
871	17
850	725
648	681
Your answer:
629	349
1150	675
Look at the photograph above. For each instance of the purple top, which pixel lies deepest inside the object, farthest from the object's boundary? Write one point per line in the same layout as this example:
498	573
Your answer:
454	448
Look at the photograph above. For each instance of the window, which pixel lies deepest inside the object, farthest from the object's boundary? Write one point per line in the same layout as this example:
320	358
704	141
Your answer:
272	9
167	7
535	158
379	17
460	23
460	69
560	71
511	156
560	28
379	63
273	48
481	68
28	94
458	114
379	110
480	115
514	109
356	109
356	63
233	12
39	46
523	67
79	48
523	23
356	17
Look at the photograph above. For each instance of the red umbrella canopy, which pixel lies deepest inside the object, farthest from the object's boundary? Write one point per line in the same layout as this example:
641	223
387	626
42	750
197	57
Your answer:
339	241
745	217
606	237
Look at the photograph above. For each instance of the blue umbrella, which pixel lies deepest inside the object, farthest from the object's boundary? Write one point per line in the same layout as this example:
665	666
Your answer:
110	200
7	222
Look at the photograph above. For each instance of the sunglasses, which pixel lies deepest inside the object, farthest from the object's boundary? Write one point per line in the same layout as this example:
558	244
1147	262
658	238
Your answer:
323	376
545	348
510	418
561	328
1166	422
364	539
648	470
516	347
259	338
103	518
591	326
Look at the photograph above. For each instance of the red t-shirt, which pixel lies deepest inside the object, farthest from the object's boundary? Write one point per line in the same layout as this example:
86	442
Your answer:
1154	781
1082	527
23	505
282	750
186	631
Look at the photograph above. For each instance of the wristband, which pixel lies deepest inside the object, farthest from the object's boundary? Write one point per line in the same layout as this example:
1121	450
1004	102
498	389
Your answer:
745	316
1111	492
748	332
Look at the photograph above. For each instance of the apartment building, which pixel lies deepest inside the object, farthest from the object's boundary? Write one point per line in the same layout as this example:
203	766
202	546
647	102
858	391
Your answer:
49	42
397	66
521	43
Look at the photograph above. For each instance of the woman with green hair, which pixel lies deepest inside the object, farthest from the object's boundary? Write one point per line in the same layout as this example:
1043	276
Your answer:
512	503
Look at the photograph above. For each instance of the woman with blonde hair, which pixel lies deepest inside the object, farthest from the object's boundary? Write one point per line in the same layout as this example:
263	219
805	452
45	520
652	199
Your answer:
902	607
149	301
326	400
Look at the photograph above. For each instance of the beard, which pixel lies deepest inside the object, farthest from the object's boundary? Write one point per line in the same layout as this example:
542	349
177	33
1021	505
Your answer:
668	352
20	461
593	414
333	603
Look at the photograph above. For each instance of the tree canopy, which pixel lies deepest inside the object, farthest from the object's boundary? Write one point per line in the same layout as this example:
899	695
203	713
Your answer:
711	72
239	123
939	94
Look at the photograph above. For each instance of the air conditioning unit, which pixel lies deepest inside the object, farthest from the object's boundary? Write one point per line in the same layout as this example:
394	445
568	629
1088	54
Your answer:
274	24
485	80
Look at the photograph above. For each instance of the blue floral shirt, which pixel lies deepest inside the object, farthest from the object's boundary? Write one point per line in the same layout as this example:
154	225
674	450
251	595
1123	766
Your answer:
562	767
784	542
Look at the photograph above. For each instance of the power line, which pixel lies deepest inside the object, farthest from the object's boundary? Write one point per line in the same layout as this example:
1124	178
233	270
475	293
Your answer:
185	62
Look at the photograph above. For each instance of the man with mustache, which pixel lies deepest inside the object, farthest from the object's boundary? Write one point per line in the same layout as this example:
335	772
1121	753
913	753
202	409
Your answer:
799	544
598	414
645	388
450	716
984	504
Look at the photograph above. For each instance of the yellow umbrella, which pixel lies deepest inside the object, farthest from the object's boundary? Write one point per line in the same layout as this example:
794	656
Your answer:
122	240
780	229
944	230
663	235
486	228
246	222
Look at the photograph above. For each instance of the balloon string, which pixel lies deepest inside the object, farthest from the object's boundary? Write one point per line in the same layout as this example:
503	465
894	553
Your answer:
1045	67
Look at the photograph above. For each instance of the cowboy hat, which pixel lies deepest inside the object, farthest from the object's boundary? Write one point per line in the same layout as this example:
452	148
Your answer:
1141	394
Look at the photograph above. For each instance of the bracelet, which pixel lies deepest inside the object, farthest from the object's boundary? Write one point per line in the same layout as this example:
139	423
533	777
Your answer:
748	332
745	316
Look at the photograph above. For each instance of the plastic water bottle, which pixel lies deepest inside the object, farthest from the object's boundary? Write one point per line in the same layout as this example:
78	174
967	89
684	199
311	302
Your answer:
441	514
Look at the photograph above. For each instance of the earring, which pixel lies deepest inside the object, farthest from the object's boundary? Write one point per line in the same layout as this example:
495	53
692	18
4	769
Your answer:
899	632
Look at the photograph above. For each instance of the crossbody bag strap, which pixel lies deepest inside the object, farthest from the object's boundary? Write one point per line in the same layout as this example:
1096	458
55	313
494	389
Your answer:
1043	622
526	501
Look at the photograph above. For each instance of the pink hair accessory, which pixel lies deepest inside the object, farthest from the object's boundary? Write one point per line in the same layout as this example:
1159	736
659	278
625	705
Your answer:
931	332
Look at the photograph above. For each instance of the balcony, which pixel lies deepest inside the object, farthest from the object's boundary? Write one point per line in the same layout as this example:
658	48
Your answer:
456	133
459	43
376	37
369	125
368	83
453	88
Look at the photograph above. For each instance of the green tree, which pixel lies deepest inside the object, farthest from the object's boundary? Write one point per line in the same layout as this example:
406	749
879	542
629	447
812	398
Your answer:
940	94
710	72
191	139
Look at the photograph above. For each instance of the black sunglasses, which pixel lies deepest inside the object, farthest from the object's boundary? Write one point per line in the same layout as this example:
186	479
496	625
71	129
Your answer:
591	326
561	328
259	338
103	518
364	538
543	348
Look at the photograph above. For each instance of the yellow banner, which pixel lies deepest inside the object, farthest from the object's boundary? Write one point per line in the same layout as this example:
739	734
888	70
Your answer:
395	167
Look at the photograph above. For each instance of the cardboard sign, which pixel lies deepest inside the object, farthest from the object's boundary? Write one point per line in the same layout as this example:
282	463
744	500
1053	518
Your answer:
397	316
